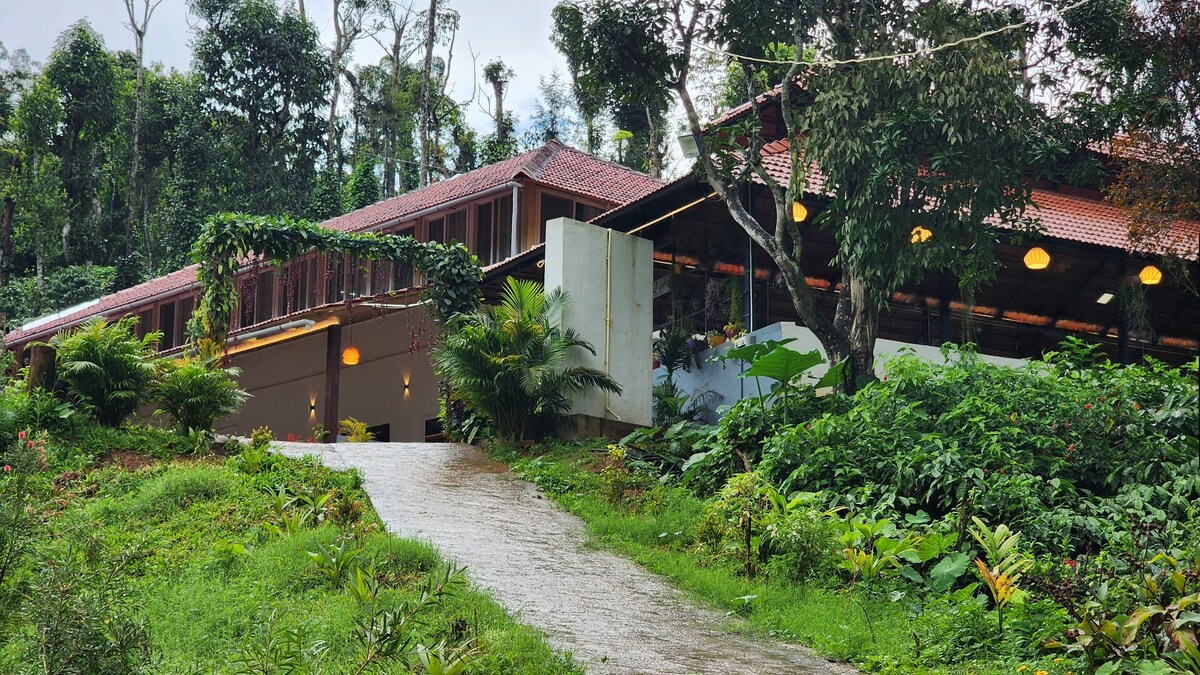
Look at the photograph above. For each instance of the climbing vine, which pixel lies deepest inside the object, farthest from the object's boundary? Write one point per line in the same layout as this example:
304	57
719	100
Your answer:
228	240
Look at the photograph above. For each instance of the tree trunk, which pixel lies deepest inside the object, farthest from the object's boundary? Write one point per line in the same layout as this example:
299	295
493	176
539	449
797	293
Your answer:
426	90
501	127
6	220
335	58
139	38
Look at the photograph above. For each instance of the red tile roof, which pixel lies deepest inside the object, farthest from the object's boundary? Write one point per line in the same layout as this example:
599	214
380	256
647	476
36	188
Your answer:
1063	216
554	165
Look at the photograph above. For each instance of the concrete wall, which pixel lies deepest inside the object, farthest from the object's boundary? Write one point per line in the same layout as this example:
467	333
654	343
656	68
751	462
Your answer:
723	378
286	378
609	279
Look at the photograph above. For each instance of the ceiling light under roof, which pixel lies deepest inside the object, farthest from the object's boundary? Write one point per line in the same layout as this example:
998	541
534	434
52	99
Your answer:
1105	298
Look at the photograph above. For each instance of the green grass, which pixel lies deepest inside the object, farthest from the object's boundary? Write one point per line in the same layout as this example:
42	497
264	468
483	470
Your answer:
658	533
201	604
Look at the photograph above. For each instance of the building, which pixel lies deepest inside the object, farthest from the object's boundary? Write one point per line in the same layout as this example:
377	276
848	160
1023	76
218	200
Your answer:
321	339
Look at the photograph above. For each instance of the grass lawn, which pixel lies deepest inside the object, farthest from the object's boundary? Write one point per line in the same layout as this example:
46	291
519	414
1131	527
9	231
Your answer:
656	528
198	554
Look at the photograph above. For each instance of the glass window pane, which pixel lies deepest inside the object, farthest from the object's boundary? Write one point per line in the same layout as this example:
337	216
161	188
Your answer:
554	207
437	230
166	324
504	228
456	227
484	227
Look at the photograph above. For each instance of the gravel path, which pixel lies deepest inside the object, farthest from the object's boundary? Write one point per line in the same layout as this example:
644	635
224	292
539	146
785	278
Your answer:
615	616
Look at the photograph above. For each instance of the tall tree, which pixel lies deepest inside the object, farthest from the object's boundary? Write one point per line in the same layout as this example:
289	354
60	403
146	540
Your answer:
85	75
393	98
36	187
500	145
899	142
552	119
351	21
1145	92
638	102
264	81
589	97
138	25
426	125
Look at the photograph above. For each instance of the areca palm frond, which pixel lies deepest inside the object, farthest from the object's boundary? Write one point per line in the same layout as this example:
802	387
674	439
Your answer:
108	370
509	362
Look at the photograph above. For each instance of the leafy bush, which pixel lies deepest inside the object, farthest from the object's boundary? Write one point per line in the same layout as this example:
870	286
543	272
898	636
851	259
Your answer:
107	370
198	393
508	361
1050	448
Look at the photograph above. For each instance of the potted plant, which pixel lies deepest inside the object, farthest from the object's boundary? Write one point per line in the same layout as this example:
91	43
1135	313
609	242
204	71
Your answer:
715	338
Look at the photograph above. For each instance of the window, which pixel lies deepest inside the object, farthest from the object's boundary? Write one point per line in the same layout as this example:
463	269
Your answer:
264	297
437	230
554	207
296	290
456	227
145	323
335	281
187	307
585	213
402	272
485	227
166	324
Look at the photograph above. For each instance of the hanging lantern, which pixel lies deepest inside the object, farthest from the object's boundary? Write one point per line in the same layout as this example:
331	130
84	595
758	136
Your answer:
1150	275
920	235
799	213
350	356
1037	258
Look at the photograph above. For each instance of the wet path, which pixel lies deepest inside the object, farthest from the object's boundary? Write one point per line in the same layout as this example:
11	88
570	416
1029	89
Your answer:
614	615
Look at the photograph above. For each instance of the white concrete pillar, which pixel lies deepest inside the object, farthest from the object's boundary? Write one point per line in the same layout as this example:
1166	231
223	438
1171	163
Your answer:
609	279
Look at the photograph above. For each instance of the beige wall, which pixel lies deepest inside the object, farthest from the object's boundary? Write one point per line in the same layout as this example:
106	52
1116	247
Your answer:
286	378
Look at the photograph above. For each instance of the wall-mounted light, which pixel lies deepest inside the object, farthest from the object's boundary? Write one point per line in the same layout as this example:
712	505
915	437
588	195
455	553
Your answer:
350	356
799	212
920	235
1105	298
687	144
1037	258
1150	275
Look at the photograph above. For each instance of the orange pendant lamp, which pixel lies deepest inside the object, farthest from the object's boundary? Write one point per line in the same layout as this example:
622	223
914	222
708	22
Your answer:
1037	258
799	212
1150	275
350	356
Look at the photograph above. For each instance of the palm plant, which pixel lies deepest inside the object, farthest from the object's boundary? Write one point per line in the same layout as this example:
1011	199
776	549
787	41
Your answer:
107	369
199	392
508	362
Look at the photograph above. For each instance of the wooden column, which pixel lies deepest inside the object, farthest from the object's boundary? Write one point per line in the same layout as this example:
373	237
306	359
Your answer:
947	291
333	376
41	367
1123	315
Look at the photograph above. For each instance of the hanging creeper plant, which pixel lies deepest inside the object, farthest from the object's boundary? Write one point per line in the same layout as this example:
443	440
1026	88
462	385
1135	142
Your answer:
230	239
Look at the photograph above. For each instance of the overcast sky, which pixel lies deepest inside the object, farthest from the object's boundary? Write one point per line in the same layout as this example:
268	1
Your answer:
515	30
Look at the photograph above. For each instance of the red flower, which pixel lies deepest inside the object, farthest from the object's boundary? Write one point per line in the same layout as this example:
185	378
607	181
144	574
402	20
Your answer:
1087	406
7	468
1069	563
31	444
21	435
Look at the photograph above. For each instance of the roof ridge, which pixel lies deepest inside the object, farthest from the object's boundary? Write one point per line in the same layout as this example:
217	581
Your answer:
535	165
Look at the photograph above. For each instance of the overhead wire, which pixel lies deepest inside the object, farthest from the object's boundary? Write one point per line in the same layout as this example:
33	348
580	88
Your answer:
898	55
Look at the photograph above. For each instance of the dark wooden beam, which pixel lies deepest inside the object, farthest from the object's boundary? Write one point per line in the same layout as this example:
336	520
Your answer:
333	377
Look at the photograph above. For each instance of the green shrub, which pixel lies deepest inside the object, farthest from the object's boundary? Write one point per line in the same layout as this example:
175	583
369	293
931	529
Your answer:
107	370
1046	448
198	393
508	362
